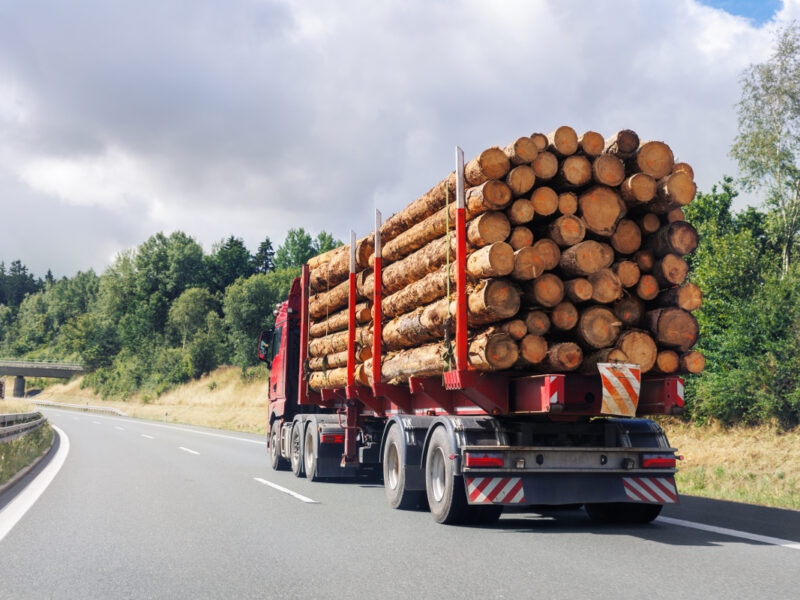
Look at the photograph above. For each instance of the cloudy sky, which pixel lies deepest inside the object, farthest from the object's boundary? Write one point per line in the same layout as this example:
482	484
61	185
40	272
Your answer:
122	118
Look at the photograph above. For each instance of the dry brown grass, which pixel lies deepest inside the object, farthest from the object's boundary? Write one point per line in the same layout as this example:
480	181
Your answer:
221	399
759	465
14	405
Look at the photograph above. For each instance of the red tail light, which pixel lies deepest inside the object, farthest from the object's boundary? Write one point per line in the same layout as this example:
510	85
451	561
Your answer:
332	438
484	459
658	461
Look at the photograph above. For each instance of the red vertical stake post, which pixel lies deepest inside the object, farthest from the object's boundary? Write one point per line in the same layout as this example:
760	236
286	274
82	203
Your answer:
302	391
377	314
461	265
351	408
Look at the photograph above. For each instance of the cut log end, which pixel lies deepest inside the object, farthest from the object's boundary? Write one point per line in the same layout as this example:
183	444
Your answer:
527	264
598	327
638	189
547	290
521	237
520	212
654	159
563	141
628	273
639	347
692	362
601	209
578	290
627	238
490	164
521	179
591	143
537	322
567	230
521	151
545	166
567	203
545	201
533	348
624	143
564	316
566	356
608	170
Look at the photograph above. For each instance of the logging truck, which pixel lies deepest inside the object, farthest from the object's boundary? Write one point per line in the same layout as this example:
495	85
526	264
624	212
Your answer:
470	441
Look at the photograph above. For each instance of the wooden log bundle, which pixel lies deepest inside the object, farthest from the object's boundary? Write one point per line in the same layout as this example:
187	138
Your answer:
576	251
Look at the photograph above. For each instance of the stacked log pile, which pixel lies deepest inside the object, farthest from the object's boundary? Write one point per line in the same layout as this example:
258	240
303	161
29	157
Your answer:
576	249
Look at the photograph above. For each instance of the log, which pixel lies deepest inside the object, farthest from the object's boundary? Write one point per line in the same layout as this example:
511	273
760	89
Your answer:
567	203
540	141
521	237
520	212
606	286
516	328
645	260
546	290
489	164
423	291
495	260
670	270
329	379
585	258
692	362
566	356
591	144
649	223
652	158
638	190
522	151
578	290
623	144
545	166
320	259
688	297
337	268
682	167
575	172
521	179
339	359
545	201
601	208
548	252
672	327
537	322
598	327
628	272
488	228
608	170
324	303
492	195
667	361
337	342
563	141
419	210
629	310
407	331
532	349
492	352
627	238
489	301
676	214
639	347
673	191
678	237
647	288
566	230
527	264
606	355
564	316
340	320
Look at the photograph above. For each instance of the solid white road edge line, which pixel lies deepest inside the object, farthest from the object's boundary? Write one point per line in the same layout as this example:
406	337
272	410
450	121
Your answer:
188	450
175	427
16	509
765	539
280	488
149	437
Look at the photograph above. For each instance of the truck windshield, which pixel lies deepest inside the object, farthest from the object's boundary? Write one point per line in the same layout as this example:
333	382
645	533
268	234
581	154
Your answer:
277	337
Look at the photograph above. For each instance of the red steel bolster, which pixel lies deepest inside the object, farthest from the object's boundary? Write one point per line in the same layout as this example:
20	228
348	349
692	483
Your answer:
661	396
461	289
302	388
377	317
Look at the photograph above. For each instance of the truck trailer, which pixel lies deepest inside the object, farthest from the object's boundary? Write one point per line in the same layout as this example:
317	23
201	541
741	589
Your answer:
468	443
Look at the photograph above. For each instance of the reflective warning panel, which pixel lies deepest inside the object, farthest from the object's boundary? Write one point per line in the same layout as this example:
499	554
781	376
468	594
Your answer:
621	385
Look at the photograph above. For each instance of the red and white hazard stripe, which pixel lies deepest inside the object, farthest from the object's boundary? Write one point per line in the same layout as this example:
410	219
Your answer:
553	389
495	490
658	490
621	385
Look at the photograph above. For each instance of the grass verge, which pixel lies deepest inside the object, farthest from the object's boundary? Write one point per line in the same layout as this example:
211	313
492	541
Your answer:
22	451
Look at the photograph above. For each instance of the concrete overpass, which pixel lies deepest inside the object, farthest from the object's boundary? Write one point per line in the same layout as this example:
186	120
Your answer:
21	369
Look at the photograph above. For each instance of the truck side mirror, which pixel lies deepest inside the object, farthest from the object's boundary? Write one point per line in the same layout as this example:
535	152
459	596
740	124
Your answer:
265	346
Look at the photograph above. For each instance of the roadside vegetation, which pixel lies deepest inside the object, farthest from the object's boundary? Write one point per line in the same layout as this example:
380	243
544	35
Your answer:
22	451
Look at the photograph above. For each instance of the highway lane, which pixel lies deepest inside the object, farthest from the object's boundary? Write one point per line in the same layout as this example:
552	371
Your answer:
141	510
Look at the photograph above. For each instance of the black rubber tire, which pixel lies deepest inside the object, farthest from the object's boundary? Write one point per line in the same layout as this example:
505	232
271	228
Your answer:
627	513
447	498
484	515
277	462
394	474
310	452
296	451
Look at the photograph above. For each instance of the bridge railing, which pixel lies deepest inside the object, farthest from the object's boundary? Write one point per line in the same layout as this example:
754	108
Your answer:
58	363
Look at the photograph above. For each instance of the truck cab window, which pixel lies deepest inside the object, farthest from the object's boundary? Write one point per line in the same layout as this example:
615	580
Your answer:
275	346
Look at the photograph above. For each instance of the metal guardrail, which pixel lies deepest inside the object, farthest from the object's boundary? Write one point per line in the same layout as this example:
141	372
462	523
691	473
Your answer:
84	407
14	425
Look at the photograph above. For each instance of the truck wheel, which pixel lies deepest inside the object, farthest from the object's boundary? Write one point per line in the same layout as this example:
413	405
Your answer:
310	453
394	473
296	451
446	496
623	512
277	462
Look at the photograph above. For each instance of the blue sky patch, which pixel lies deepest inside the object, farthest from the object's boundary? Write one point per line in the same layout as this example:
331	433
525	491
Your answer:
759	11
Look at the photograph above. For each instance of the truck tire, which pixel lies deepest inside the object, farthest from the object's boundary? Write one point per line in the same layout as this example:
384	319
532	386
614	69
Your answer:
277	462
447	498
394	473
623	513
296	450
310	452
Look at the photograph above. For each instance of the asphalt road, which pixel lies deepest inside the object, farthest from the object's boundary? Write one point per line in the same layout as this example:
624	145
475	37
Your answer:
142	510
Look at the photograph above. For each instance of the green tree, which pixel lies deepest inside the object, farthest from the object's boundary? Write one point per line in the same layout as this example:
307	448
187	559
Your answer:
324	242
264	259
296	249
188	313
229	261
767	146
